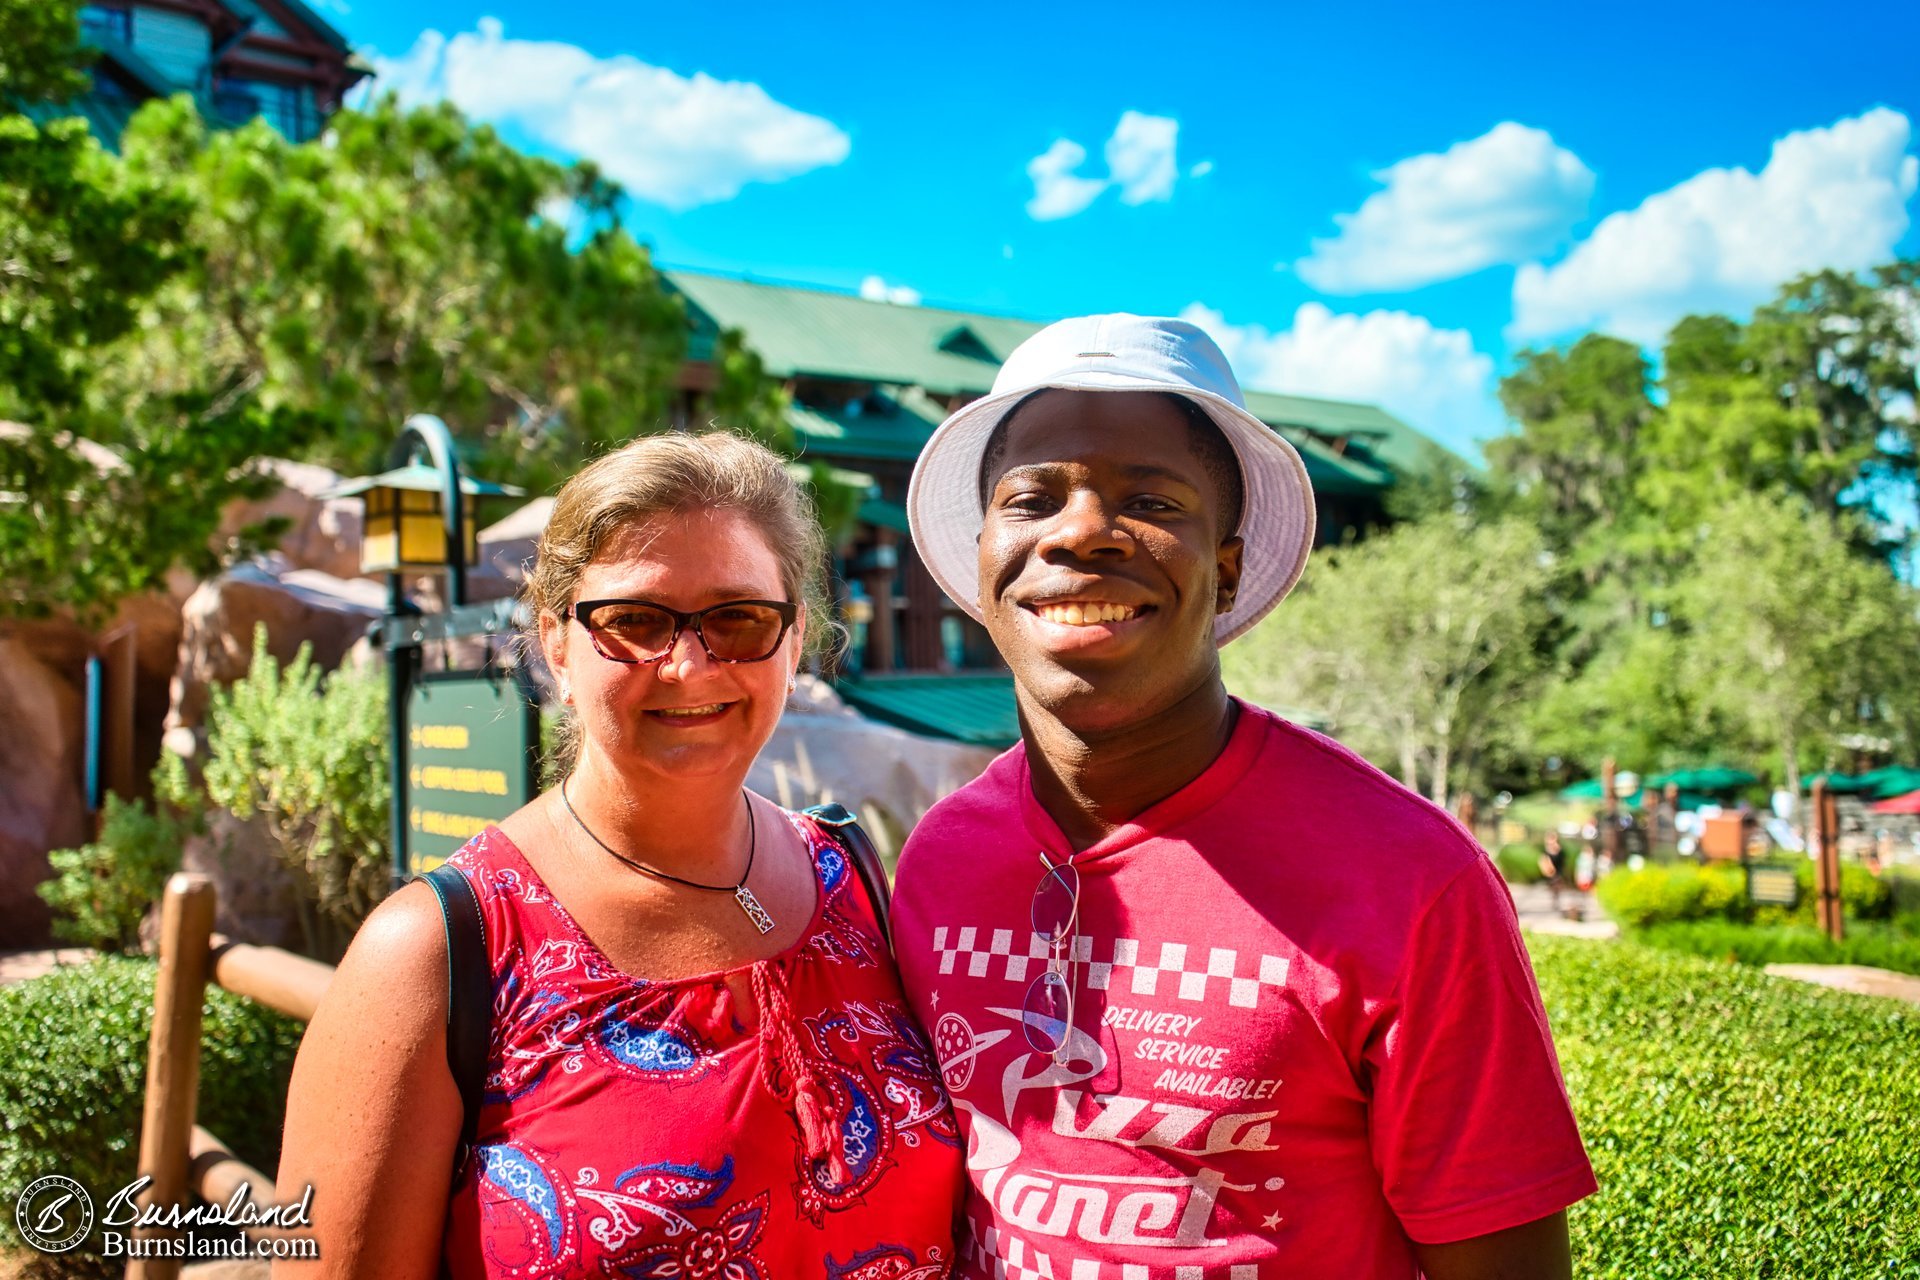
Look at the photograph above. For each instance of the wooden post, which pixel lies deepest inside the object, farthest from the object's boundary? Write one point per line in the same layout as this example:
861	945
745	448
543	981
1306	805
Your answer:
173	1053
1826	871
1465	812
1609	813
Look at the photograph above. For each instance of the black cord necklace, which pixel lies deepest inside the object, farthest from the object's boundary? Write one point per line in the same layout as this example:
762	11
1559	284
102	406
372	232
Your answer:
741	894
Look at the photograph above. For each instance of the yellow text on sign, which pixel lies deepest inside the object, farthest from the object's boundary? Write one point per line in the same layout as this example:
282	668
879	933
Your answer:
458	825
444	737
441	777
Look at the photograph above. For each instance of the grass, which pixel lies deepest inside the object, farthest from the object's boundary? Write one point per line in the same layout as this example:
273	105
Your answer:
1740	1125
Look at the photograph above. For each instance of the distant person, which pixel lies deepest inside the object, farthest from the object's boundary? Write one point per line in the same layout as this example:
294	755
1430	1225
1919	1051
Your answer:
1213	996
1553	865
1586	872
701	1064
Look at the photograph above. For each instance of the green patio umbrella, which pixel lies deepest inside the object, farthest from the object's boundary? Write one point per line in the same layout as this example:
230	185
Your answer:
1707	779
1844	783
1591	790
1895	780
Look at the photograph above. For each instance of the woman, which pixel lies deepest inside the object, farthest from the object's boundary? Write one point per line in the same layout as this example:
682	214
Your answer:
700	1061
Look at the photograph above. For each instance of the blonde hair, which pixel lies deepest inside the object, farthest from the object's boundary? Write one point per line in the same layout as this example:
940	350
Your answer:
679	474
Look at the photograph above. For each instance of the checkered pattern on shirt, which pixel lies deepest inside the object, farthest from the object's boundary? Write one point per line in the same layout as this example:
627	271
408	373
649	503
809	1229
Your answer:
1175	961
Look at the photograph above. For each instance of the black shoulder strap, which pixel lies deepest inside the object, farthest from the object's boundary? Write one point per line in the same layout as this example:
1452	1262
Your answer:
469	993
866	860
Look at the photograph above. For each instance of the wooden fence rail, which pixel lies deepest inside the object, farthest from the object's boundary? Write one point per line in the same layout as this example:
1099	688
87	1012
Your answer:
182	1158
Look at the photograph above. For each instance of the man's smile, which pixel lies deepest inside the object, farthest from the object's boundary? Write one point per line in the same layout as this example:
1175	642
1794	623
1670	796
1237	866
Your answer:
1086	613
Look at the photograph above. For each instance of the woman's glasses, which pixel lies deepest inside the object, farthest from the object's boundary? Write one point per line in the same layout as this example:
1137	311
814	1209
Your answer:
1048	1009
642	631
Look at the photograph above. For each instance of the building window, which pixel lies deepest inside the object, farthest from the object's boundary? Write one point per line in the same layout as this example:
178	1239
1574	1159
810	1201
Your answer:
283	106
109	21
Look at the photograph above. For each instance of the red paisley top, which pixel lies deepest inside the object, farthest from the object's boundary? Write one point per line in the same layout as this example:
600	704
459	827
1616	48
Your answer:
639	1129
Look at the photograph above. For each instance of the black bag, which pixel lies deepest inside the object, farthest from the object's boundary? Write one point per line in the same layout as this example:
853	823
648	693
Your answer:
470	978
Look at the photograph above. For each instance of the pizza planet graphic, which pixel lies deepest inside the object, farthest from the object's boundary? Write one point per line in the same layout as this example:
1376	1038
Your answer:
53	1214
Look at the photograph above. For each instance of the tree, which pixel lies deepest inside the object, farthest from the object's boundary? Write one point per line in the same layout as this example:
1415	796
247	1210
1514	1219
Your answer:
1420	644
170	316
413	261
1796	638
1840	352
1572	465
84	245
41	57
1810	399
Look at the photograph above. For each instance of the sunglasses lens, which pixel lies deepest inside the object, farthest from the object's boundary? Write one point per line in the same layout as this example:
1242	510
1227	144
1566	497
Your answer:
1055	904
1048	1012
742	632
631	632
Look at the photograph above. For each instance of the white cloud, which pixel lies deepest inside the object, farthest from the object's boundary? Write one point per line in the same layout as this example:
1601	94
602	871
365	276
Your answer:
676	140
1142	162
875	289
1507	196
1140	157
1725	239
1431	378
1057	191
1201	170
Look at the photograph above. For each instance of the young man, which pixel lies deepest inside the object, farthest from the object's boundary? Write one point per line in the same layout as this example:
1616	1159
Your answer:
1214	998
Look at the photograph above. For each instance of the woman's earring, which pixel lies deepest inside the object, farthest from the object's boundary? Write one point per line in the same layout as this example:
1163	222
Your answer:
793	682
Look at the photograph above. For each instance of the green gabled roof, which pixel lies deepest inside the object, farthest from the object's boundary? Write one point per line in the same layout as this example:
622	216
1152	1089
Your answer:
889	426
1333	472
1372	432
976	707
800	332
930	352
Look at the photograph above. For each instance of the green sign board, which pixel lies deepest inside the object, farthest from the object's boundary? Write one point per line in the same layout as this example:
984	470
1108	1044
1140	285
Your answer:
472	744
1772	886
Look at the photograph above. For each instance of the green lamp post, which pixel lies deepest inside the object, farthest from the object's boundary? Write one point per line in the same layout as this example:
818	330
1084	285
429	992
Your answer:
419	519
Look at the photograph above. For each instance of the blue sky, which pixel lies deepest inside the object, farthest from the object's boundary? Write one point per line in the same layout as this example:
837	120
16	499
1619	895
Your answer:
1375	202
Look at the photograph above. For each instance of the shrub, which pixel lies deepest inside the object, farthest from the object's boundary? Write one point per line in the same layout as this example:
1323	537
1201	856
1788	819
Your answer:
1872	943
1863	895
1903	888
307	752
73	1062
1673	891
1519	863
100	892
1740	1125
1666	892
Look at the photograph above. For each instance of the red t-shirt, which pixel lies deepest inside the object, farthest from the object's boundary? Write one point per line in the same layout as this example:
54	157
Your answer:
1305	1028
639	1129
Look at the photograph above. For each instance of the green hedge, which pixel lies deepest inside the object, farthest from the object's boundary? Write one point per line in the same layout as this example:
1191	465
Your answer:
1873	943
1663	892
1519	863
1740	1125
73	1062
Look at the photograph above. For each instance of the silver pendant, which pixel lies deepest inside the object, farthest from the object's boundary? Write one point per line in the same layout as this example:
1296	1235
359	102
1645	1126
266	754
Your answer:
751	905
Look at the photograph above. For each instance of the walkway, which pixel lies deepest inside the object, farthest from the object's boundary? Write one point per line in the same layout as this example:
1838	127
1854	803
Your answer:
1534	903
18	966
1857	978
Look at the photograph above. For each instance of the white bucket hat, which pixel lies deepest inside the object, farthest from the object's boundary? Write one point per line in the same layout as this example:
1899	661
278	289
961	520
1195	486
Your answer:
1118	353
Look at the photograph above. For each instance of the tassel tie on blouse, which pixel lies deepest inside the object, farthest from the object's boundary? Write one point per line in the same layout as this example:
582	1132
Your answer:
789	1077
